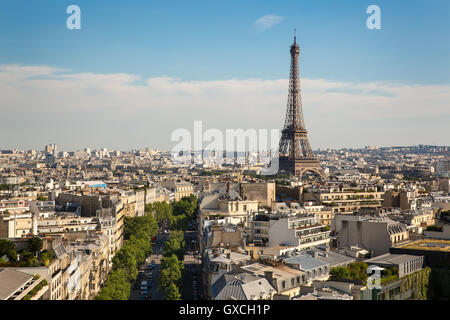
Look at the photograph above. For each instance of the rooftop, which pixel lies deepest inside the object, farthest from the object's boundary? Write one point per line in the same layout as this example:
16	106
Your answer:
389	258
428	244
305	262
279	272
11	281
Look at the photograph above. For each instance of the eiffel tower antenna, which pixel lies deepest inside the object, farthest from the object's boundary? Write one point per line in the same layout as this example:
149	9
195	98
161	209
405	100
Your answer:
295	153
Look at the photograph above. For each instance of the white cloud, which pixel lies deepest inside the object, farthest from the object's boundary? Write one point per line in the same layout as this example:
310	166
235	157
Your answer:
267	22
39	105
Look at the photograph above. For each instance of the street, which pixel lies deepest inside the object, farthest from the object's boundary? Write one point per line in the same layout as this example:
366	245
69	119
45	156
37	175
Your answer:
156	256
192	265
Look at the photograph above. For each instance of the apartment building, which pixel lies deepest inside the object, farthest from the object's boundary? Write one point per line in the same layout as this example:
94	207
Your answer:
314	269
375	234
217	261
179	188
405	264
348	201
15	225
228	206
418	218
242	286
301	231
285	280
405	200
324	213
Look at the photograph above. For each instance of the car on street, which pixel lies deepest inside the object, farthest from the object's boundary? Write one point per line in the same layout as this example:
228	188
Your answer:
144	285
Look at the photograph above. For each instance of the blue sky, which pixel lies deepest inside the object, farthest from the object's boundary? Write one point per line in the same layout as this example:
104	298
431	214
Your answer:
218	40
211	40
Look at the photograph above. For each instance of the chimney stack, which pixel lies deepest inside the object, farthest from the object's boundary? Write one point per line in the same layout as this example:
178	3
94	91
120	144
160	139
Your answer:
269	276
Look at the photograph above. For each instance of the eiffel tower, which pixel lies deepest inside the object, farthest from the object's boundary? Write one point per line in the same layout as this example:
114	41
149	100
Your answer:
295	154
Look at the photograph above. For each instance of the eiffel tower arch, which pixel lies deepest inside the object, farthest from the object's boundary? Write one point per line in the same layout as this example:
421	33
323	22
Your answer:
295	154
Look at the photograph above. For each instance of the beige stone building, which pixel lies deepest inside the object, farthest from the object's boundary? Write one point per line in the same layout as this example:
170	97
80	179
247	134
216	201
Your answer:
350	201
263	192
179	188
374	234
285	280
13	225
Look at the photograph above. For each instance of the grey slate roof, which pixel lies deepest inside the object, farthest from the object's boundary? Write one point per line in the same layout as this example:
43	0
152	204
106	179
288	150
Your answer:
241	286
305	262
390	258
330	257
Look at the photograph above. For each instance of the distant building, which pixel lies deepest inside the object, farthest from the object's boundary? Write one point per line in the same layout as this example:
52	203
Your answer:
405	200
179	188
443	168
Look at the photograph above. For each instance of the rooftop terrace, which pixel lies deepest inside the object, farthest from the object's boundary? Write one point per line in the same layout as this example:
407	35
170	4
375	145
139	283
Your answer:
428	244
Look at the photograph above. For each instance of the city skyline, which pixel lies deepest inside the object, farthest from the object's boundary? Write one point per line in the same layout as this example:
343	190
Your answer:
359	87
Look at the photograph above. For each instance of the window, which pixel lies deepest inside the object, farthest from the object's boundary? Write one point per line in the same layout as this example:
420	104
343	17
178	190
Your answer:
283	284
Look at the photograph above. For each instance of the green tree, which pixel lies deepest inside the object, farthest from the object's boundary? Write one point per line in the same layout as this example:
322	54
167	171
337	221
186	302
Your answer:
138	233
339	273
28	258
171	272
184	206
117	286
41	198
172	292
358	271
163	212
8	248
46	257
175	245
35	244
125	259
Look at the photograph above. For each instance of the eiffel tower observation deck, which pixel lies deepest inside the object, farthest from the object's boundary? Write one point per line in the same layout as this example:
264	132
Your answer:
295	154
